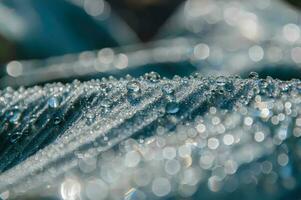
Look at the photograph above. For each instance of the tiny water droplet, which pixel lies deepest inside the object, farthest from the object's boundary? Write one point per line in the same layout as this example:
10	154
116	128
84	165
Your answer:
106	103
53	102
253	75
133	87
14	116
152	76
15	137
90	118
167	89
57	120
172	107
284	87
128	77
221	81
70	189
229	86
221	91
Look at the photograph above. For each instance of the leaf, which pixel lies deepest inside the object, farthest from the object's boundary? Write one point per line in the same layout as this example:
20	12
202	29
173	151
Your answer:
215	129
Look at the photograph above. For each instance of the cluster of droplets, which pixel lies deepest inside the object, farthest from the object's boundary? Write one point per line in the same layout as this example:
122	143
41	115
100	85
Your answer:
207	152
187	134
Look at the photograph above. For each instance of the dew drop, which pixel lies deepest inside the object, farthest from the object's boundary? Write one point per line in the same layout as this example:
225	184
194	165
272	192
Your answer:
253	75
172	167
132	159
53	102
221	81
90	118
14	116
87	165
70	189
213	143
169	153
152	77
133	87
167	89
97	189
57	120
161	187
282	159
172	107
106	103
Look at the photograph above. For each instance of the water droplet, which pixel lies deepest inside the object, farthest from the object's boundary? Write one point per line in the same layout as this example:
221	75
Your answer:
169	153
15	137
259	136
132	159
172	167
87	165
228	139
167	89
213	143
253	75
97	189
106	104
172	107
161	187
152	76
57	120
70	189
221	81
14	116
282	159
133	87
53	102
90	118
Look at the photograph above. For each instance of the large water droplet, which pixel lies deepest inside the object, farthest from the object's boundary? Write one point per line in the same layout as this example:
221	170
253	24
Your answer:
105	103
161	187
152	76
133	87
90	118
57	120
70	189
53	102
172	107
167	89
14	116
97	189
253	75
221	81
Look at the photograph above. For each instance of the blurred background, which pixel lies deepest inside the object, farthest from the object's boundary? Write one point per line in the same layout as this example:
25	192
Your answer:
60	40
